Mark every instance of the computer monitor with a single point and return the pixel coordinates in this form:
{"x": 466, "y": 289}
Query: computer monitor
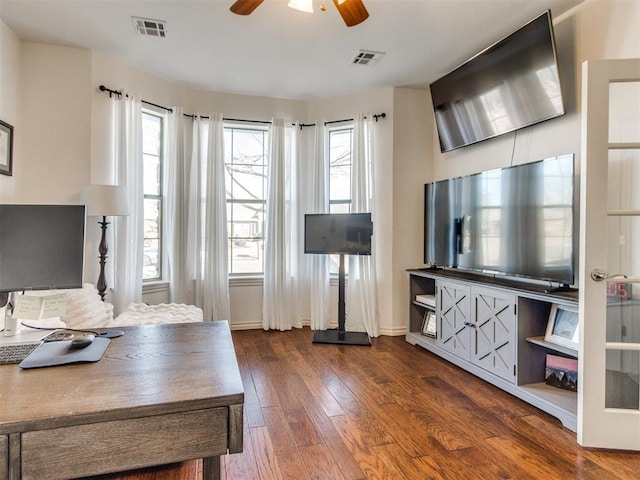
{"x": 41, "y": 247}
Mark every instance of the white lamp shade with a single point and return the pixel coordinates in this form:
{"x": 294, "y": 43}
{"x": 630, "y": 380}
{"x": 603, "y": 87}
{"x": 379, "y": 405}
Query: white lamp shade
{"x": 105, "y": 200}
{"x": 302, "y": 5}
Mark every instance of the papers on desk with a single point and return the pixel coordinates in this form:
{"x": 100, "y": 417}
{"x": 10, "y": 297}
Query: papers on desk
{"x": 32, "y": 307}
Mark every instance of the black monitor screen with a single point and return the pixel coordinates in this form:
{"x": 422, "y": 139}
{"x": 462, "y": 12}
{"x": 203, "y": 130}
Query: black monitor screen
{"x": 348, "y": 233}
{"x": 41, "y": 246}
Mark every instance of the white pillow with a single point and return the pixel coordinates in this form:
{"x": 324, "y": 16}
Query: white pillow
{"x": 85, "y": 309}
{"x": 143, "y": 314}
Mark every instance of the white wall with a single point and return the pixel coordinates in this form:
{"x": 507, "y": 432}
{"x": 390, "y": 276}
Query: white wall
{"x": 55, "y": 109}
{"x": 9, "y": 107}
{"x": 412, "y": 167}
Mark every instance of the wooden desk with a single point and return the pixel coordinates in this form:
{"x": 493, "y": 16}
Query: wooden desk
{"x": 160, "y": 394}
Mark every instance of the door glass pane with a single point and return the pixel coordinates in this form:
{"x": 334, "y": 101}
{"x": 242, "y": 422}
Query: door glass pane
{"x": 623, "y": 256}
{"x": 622, "y": 390}
{"x": 624, "y": 114}
{"x": 623, "y": 175}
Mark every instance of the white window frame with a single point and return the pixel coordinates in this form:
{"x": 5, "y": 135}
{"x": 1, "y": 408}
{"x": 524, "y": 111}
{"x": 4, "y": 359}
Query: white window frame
{"x": 248, "y": 277}
{"x": 334, "y": 259}
{"x": 160, "y": 196}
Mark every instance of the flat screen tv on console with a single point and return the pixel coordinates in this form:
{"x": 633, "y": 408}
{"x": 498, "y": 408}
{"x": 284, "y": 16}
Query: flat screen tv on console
{"x": 346, "y": 233}
{"x": 510, "y": 85}
{"x": 516, "y": 221}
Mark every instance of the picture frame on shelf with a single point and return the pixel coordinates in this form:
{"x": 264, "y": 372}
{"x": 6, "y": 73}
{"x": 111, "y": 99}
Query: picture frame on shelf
{"x": 6, "y": 148}
{"x": 563, "y": 327}
{"x": 561, "y": 372}
{"x": 429, "y": 324}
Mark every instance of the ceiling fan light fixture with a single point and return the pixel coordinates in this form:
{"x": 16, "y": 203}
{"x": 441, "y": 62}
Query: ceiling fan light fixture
{"x": 301, "y": 5}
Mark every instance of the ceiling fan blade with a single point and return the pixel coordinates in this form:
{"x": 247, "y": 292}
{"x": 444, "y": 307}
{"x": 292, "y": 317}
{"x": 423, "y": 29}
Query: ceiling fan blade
{"x": 245, "y": 7}
{"x": 353, "y": 12}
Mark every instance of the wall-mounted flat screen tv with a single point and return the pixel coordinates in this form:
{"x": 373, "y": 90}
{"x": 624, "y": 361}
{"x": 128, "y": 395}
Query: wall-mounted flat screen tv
{"x": 516, "y": 221}
{"x": 510, "y": 85}
{"x": 346, "y": 233}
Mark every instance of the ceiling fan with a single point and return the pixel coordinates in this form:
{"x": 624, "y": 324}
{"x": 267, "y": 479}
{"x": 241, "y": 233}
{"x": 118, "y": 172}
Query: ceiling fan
{"x": 353, "y": 12}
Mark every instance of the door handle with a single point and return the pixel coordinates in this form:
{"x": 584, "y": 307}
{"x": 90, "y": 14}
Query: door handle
{"x": 598, "y": 275}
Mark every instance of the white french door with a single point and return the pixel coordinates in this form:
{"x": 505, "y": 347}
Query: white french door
{"x": 609, "y": 370}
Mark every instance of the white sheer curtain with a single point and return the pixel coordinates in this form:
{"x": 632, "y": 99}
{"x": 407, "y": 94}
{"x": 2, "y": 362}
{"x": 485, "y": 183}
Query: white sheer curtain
{"x": 212, "y": 286}
{"x": 362, "y": 291}
{"x": 180, "y": 228}
{"x": 311, "y": 272}
{"x": 128, "y": 231}
{"x": 197, "y": 214}
{"x": 279, "y": 309}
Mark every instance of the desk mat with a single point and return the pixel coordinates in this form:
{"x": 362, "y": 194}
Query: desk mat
{"x": 50, "y": 354}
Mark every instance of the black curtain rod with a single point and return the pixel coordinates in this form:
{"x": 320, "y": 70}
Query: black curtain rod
{"x": 170, "y": 110}
{"x": 264, "y": 122}
{"x": 192, "y": 115}
{"x": 376, "y": 116}
{"x": 119, "y": 94}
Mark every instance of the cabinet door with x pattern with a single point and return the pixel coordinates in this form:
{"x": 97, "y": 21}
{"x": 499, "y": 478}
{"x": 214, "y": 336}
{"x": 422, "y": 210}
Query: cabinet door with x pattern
{"x": 493, "y": 340}
{"x": 454, "y": 316}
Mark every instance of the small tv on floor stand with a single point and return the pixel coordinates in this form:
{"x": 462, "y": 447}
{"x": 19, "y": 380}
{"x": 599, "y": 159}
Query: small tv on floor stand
{"x": 343, "y": 234}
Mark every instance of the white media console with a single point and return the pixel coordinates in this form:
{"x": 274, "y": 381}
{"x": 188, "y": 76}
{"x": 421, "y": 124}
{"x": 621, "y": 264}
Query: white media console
{"x": 494, "y": 328}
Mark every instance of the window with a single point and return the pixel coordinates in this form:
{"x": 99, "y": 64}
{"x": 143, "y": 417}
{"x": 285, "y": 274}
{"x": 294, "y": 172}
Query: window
{"x": 152, "y": 152}
{"x": 246, "y": 164}
{"x": 340, "y": 163}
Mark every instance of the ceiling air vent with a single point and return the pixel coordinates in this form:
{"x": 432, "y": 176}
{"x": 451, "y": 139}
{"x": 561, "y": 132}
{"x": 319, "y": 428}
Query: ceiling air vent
{"x": 150, "y": 27}
{"x": 367, "y": 57}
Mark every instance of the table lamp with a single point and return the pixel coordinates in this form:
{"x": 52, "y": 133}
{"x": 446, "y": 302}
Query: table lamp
{"x": 104, "y": 201}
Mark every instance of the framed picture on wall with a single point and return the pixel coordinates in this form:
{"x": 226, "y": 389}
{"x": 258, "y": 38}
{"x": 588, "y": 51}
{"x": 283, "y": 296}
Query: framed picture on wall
{"x": 6, "y": 148}
{"x": 563, "y": 326}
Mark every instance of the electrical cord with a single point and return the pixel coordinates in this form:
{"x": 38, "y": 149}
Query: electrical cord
{"x": 61, "y": 328}
{"x": 107, "y": 334}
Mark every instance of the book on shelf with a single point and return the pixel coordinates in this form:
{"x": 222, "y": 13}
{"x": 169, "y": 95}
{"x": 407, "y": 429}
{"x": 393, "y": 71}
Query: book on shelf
{"x": 428, "y": 300}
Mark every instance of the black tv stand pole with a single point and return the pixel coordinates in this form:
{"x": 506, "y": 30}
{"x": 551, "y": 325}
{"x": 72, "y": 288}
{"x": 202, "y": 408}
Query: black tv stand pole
{"x": 340, "y": 336}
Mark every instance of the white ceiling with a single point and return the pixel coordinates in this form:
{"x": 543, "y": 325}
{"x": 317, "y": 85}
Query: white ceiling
{"x": 277, "y": 51}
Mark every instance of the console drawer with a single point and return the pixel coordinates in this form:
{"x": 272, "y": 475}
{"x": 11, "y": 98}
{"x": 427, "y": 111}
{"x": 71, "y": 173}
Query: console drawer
{"x": 119, "y": 445}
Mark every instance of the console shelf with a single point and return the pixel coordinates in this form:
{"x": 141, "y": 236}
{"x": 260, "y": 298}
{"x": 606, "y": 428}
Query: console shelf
{"x": 519, "y": 309}
{"x": 552, "y": 346}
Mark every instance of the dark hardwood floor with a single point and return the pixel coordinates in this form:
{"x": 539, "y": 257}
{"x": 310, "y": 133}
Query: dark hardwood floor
{"x": 391, "y": 411}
